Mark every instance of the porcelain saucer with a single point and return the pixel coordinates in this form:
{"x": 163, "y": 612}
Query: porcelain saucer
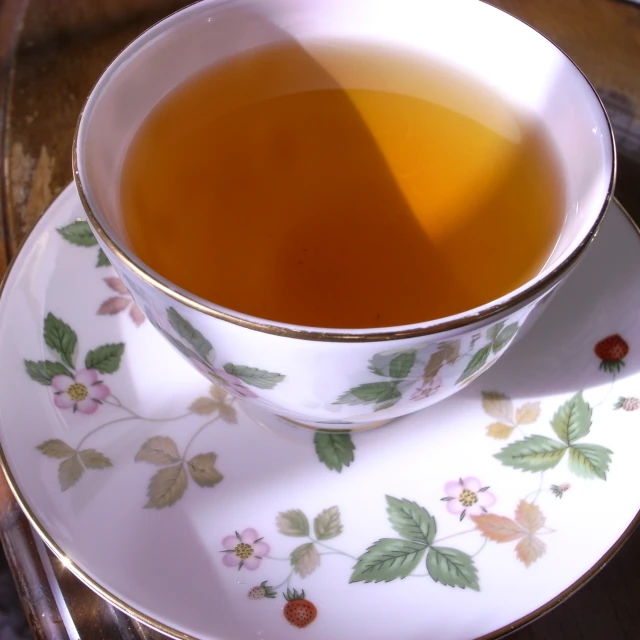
{"x": 463, "y": 521}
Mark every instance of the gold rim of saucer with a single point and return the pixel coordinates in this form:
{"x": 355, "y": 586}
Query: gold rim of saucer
{"x": 113, "y": 599}
{"x": 156, "y": 281}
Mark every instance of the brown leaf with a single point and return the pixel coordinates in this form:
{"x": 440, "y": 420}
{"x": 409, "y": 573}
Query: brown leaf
{"x": 218, "y": 393}
{"x": 529, "y": 517}
{"x": 451, "y": 351}
{"x": 227, "y": 412}
{"x": 499, "y": 431}
{"x": 93, "y": 459}
{"x": 498, "y": 528}
{"x": 203, "y": 406}
{"x": 159, "y": 450}
{"x": 528, "y": 413}
{"x": 434, "y": 364}
{"x": 116, "y": 285}
{"x": 113, "y": 306}
{"x": 135, "y": 313}
{"x": 69, "y": 472}
{"x": 529, "y": 549}
{"x": 498, "y": 406}
{"x": 166, "y": 487}
{"x": 305, "y": 559}
{"x": 55, "y": 449}
{"x": 203, "y": 470}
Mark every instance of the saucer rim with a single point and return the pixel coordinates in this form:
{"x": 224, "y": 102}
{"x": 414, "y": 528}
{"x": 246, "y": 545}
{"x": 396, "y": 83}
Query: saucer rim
{"x": 168, "y": 630}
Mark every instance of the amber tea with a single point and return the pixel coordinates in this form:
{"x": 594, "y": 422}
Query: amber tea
{"x": 340, "y": 185}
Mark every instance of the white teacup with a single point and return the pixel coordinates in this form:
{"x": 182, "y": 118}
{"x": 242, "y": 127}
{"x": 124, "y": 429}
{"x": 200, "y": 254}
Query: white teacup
{"x": 330, "y": 378}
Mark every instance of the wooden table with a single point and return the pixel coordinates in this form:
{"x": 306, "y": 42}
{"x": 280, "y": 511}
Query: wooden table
{"x": 51, "y": 52}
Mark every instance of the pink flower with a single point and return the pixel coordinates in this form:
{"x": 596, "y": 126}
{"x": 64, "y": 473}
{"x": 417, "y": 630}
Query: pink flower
{"x": 84, "y": 392}
{"x": 244, "y": 549}
{"x": 231, "y": 384}
{"x": 467, "y": 496}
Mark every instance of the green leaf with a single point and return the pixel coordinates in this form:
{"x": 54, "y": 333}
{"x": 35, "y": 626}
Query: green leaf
{"x": 572, "y": 420}
{"x": 293, "y": 523}
{"x": 388, "y": 559}
{"x": 255, "y": 377}
{"x": 534, "y": 453}
{"x": 452, "y": 568}
{"x": 492, "y": 332}
{"x": 103, "y": 261}
{"x": 411, "y": 521}
{"x": 60, "y": 337}
{"x": 401, "y": 365}
{"x": 78, "y": 233}
{"x": 186, "y": 331}
{"x": 477, "y": 362}
{"x": 327, "y": 525}
{"x": 305, "y": 559}
{"x": 55, "y": 448}
{"x": 105, "y": 359}
{"x": 397, "y": 364}
{"x": 335, "y": 450}
{"x": 504, "y": 337}
{"x": 589, "y": 460}
{"x": 93, "y": 459}
{"x": 166, "y": 487}
{"x": 69, "y": 472}
{"x": 386, "y": 405}
{"x": 44, "y": 371}
{"x": 370, "y": 392}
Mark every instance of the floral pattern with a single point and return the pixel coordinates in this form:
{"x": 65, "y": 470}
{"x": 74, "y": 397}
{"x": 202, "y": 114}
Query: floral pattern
{"x": 120, "y": 302}
{"x": 244, "y": 549}
{"x": 415, "y": 545}
{"x": 79, "y": 233}
{"x": 467, "y": 496}
{"x": 232, "y": 384}
{"x": 528, "y": 522}
{"x": 419, "y": 538}
{"x": 248, "y": 550}
{"x": 237, "y": 380}
{"x": 419, "y": 373}
{"x": 83, "y": 391}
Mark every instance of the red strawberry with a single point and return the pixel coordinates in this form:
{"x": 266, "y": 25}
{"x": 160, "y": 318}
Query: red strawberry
{"x": 627, "y": 404}
{"x": 261, "y": 591}
{"x": 611, "y": 350}
{"x": 299, "y": 611}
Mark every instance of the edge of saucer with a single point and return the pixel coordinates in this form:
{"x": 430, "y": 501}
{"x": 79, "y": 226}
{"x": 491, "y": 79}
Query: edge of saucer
{"x": 151, "y": 622}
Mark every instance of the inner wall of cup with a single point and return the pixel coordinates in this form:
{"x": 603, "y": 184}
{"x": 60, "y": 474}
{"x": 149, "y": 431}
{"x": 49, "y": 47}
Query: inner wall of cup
{"x": 503, "y": 53}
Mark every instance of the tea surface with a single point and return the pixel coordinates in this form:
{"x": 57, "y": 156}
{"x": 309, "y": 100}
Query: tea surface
{"x": 341, "y": 186}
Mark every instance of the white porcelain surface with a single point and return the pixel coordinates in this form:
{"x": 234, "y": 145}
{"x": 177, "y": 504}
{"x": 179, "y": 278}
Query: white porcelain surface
{"x": 144, "y": 485}
{"x": 328, "y": 382}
